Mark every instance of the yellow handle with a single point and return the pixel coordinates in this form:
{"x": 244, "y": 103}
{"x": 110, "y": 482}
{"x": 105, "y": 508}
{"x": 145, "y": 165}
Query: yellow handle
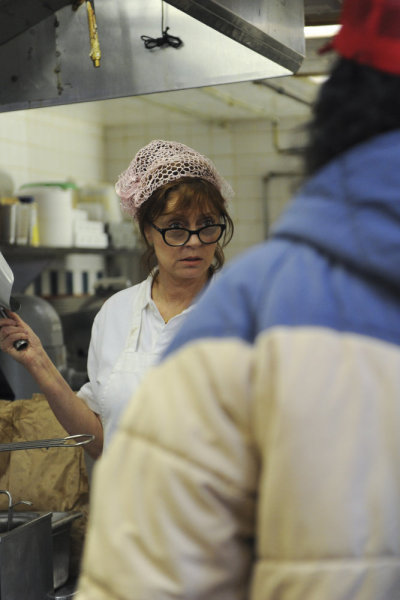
{"x": 95, "y": 53}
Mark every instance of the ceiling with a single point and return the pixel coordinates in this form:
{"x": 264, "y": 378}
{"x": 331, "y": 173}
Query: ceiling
{"x": 273, "y": 99}
{"x": 321, "y": 12}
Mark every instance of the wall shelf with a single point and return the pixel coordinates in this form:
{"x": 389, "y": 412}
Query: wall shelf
{"x": 28, "y": 262}
{"x": 34, "y": 252}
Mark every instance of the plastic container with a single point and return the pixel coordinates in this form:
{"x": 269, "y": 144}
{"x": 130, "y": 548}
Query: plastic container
{"x": 27, "y": 225}
{"x": 8, "y": 222}
{"x": 55, "y": 204}
{"x": 23, "y": 223}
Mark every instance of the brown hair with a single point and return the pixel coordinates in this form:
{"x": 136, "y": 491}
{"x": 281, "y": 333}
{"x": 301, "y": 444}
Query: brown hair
{"x": 191, "y": 193}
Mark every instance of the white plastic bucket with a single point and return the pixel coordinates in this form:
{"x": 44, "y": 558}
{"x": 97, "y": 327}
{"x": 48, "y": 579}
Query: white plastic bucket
{"x": 55, "y": 203}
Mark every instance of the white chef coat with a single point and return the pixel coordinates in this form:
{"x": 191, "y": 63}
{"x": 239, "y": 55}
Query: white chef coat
{"x": 128, "y": 336}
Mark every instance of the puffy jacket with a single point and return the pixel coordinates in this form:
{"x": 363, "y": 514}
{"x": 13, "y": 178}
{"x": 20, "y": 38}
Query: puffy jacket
{"x": 261, "y": 459}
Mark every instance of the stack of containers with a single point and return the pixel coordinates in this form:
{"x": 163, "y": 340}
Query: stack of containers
{"x": 101, "y": 203}
{"x": 62, "y": 225}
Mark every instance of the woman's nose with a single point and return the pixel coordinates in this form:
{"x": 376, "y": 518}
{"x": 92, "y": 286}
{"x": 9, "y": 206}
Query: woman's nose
{"x": 194, "y": 240}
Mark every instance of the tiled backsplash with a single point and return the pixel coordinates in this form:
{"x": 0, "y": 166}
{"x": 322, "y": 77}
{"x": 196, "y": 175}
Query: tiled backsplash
{"x": 51, "y": 144}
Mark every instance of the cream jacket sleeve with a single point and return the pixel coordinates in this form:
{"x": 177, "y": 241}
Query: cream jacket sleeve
{"x": 181, "y": 464}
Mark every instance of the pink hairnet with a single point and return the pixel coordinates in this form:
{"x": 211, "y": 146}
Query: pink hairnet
{"x": 161, "y": 162}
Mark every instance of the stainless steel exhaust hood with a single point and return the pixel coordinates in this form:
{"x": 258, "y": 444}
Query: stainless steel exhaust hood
{"x": 224, "y": 41}
{"x": 17, "y": 16}
{"x": 273, "y": 29}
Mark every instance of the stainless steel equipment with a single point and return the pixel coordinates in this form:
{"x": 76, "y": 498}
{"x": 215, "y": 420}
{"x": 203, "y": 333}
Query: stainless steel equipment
{"x": 71, "y": 441}
{"x": 6, "y": 300}
{"x": 46, "y": 567}
{"x": 44, "y": 320}
{"x": 224, "y": 41}
{"x": 26, "y": 559}
{"x": 61, "y": 523}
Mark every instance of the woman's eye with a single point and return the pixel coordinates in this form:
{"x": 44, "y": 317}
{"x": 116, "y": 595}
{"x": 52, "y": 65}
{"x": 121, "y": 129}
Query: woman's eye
{"x": 175, "y": 226}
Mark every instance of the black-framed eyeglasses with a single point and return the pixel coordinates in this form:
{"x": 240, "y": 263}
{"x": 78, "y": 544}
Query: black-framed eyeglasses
{"x": 179, "y": 236}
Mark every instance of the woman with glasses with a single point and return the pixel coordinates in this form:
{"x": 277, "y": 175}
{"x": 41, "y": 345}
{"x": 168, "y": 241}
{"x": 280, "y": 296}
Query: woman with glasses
{"x": 179, "y": 202}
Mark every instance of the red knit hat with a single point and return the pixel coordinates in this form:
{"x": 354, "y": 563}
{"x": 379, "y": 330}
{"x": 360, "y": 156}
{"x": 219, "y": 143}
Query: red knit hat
{"x": 370, "y": 34}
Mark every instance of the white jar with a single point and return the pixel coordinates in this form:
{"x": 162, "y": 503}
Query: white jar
{"x": 55, "y": 203}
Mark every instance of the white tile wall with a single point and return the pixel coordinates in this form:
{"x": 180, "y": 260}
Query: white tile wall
{"x": 50, "y": 144}
{"x": 62, "y": 143}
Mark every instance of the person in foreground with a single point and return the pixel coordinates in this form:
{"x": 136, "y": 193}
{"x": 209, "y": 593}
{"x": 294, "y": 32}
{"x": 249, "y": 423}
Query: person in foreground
{"x": 180, "y": 204}
{"x": 261, "y": 459}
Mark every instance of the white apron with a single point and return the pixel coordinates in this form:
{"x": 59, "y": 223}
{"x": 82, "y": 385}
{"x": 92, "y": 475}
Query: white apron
{"x": 126, "y": 374}
{"x": 133, "y": 363}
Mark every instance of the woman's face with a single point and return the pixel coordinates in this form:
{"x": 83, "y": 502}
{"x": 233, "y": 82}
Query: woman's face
{"x": 194, "y": 258}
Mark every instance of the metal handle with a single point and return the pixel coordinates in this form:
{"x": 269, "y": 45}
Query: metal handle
{"x": 68, "y": 442}
{"x": 19, "y": 344}
{"x": 95, "y": 53}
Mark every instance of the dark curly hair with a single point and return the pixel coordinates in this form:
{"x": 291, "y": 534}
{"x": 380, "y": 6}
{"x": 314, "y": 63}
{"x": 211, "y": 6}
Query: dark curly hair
{"x": 356, "y": 103}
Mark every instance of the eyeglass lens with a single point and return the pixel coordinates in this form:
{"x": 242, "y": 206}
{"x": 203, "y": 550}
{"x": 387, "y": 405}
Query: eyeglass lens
{"x": 207, "y": 235}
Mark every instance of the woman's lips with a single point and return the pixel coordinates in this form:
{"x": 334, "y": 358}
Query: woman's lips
{"x": 191, "y": 259}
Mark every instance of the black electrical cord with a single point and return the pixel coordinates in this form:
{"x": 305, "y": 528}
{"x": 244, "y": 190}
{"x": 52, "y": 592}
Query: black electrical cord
{"x": 165, "y": 39}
